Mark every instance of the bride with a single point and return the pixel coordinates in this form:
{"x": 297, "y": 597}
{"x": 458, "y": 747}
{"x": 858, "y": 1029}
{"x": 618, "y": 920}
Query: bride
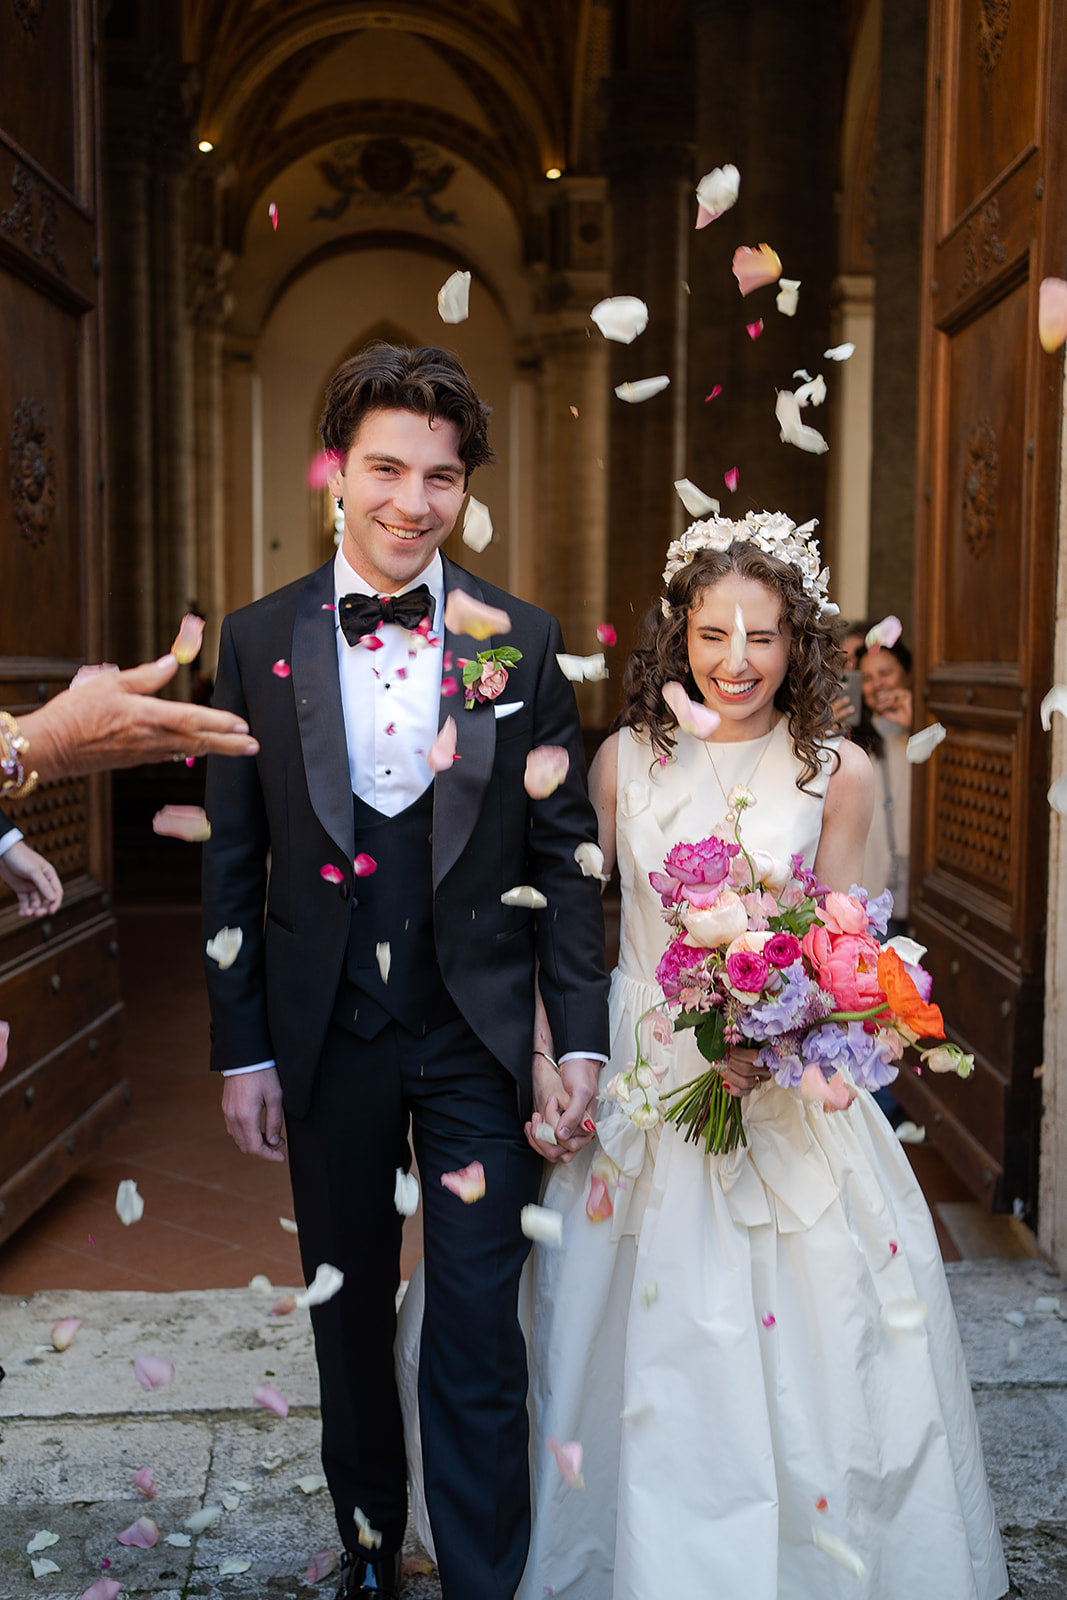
{"x": 751, "y": 1428}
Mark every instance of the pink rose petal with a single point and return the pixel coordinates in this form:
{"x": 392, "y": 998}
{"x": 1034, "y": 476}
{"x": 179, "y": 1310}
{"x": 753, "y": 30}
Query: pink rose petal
{"x": 569, "y": 1461}
{"x": 754, "y": 329}
{"x": 153, "y": 1372}
{"x": 331, "y": 873}
{"x": 64, "y": 1331}
{"x": 142, "y": 1479}
{"x": 442, "y": 752}
{"x": 546, "y": 768}
{"x": 468, "y": 1183}
{"x": 755, "y": 268}
{"x": 371, "y": 641}
{"x": 323, "y": 1562}
{"x": 401, "y": 672}
{"x": 698, "y": 720}
{"x": 281, "y": 669}
{"x": 606, "y": 634}
{"x": 272, "y": 212}
{"x": 319, "y": 468}
{"x": 142, "y": 1534}
{"x": 364, "y": 866}
{"x": 884, "y": 634}
{"x": 449, "y": 686}
{"x": 822, "y": 1504}
{"x": 283, "y": 1306}
{"x": 269, "y": 1398}
{"x": 598, "y": 1206}
{"x": 1052, "y": 313}
{"x": 88, "y": 671}
{"x": 190, "y": 637}
{"x": 835, "y": 1095}
{"x": 328, "y": 608}
{"x": 464, "y": 614}
{"x": 446, "y": 661}
{"x": 768, "y": 1319}
{"x": 391, "y": 729}
{"x": 102, "y": 1589}
{"x": 893, "y": 1247}
{"x": 730, "y": 478}
{"x": 715, "y": 393}
{"x": 182, "y": 822}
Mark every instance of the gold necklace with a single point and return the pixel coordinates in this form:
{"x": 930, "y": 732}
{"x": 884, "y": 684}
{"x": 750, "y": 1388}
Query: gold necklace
{"x": 731, "y": 815}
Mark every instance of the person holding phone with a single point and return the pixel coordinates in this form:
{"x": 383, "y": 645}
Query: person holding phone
{"x": 883, "y": 729}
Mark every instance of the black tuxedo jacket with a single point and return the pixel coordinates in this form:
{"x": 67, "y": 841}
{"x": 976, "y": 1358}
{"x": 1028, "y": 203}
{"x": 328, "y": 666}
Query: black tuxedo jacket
{"x": 278, "y": 818}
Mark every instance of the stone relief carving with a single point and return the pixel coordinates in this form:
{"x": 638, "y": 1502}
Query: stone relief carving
{"x": 29, "y": 13}
{"x": 386, "y": 171}
{"x": 983, "y": 248}
{"x": 980, "y": 487}
{"x": 37, "y": 223}
{"x": 33, "y": 476}
{"x": 993, "y": 17}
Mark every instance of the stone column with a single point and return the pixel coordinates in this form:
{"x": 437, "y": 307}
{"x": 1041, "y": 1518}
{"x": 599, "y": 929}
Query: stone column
{"x": 848, "y": 513}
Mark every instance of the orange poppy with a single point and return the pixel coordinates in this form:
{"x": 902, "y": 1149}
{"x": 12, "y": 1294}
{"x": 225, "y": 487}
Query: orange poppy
{"x": 905, "y": 1001}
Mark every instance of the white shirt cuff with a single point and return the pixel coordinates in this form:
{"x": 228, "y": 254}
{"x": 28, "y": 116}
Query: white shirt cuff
{"x": 12, "y": 836}
{"x": 236, "y": 1072}
{"x": 582, "y": 1055}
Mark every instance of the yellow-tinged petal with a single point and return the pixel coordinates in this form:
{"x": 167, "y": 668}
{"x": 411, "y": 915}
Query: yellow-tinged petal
{"x": 468, "y": 1183}
{"x": 840, "y": 352}
{"x": 621, "y": 318}
{"x": 641, "y": 389}
{"x": 1057, "y": 795}
{"x": 813, "y": 392}
{"x": 464, "y": 614}
{"x": 323, "y": 1562}
{"x": 477, "y": 525}
{"x": 142, "y": 1534}
{"x": 1052, "y": 313}
{"x": 754, "y": 268}
{"x": 64, "y": 1330}
{"x": 546, "y": 768}
{"x": 311, "y": 1483}
{"x": 144, "y": 1482}
{"x": 189, "y": 638}
{"x": 206, "y": 1517}
{"x": 598, "y": 1206}
{"x": 636, "y": 797}
{"x": 884, "y": 634}
{"x": 43, "y": 1566}
{"x": 453, "y": 298}
{"x": 545, "y": 1133}
{"x": 287, "y": 1224}
{"x": 232, "y": 1566}
{"x": 369, "y": 1537}
{"x": 44, "y": 1540}
{"x": 182, "y": 822}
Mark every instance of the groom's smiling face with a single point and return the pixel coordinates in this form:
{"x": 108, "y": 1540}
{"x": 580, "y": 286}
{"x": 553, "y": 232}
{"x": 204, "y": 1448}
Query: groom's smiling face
{"x": 403, "y": 484}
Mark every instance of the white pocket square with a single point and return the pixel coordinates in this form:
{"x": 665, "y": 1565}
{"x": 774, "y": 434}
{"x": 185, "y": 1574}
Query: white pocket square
{"x": 506, "y": 708}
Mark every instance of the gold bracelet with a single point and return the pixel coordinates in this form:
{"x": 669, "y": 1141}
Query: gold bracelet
{"x": 15, "y": 782}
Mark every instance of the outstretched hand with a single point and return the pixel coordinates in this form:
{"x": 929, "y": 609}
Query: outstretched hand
{"x": 252, "y": 1106}
{"x": 34, "y": 880}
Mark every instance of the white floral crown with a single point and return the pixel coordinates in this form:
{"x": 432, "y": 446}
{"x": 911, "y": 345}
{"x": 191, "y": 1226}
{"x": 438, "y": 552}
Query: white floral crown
{"x": 772, "y": 532}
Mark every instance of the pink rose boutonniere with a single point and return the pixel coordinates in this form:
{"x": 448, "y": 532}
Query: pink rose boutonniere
{"x": 485, "y": 678}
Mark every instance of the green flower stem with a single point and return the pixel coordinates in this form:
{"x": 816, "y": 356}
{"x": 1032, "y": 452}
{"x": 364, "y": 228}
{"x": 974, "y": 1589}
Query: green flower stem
{"x": 855, "y": 1016}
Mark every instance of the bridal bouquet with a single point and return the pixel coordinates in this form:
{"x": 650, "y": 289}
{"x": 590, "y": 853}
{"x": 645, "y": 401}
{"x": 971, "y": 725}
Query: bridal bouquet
{"x": 765, "y": 957}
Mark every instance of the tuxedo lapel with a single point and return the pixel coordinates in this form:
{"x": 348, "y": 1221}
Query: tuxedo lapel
{"x": 319, "y": 712}
{"x": 458, "y": 793}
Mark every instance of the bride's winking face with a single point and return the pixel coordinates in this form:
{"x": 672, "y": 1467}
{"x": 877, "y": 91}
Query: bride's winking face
{"x": 740, "y": 688}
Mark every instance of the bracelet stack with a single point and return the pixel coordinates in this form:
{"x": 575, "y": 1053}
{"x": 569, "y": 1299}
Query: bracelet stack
{"x": 15, "y": 782}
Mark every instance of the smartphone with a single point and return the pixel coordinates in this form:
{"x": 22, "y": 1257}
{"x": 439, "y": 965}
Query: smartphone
{"x": 852, "y": 687}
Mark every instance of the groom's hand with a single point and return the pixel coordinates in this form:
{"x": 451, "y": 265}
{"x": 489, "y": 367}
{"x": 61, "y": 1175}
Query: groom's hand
{"x": 252, "y": 1106}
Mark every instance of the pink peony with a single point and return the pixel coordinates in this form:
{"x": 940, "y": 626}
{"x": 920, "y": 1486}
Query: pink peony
{"x": 846, "y": 965}
{"x": 677, "y": 963}
{"x": 706, "y": 863}
{"x": 843, "y": 914}
{"x": 747, "y": 971}
{"x": 782, "y": 949}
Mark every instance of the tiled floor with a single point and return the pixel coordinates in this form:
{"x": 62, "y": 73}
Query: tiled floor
{"x": 211, "y": 1214}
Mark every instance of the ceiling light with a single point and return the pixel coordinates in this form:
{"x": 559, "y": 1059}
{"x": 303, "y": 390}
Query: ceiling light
{"x": 205, "y": 145}
{"x": 554, "y": 172}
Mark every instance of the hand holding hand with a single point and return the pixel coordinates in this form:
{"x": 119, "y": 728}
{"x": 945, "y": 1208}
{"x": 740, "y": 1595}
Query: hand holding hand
{"x": 252, "y": 1106}
{"x": 564, "y": 1098}
{"x": 34, "y": 880}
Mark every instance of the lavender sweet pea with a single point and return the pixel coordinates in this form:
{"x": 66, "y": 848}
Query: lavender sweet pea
{"x": 866, "y": 1054}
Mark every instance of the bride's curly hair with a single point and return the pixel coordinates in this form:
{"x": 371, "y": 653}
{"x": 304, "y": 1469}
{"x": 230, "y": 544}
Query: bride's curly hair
{"x": 661, "y": 656}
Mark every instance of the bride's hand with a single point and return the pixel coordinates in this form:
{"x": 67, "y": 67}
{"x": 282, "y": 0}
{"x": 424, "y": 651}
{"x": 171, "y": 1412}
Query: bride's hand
{"x": 740, "y": 1072}
{"x": 553, "y": 1095}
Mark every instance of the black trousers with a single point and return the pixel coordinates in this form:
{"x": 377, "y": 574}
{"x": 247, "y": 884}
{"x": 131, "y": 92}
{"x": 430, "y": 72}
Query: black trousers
{"x": 461, "y": 1106}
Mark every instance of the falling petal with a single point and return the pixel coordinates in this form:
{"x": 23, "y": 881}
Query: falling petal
{"x": 1052, "y": 313}
{"x": 272, "y": 212}
{"x": 738, "y": 641}
{"x": 904, "y": 1316}
{"x": 468, "y": 1183}
{"x": 606, "y": 634}
{"x": 1057, "y": 795}
{"x": 812, "y": 393}
{"x": 793, "y": 431}
{"x": 598, "y": 1206}
{"x": 822, "y": 1504}
{"x": 464, "y": 614}
{"x": 43, "y": 1567}
{"x": 142, "y": 1479}
{"x": 369, "y": 1537}
{"x": 232, "y": 1566}
{"x": 153, "y": 1372}
{"x": 769, "y": 1319}
{"x": 753, "y": 268}
{"x": 319, "y": 469}
{"x": 182, "y": 822}
{"x": 574, "y": 412}
{"x": 590, "y": 859}
{"x": 106, "y": 1588}
{"x": 590, "y": 669}
{"x": 283, "y": 1306}
{"x": 65, "y": 1329}
{"x": 225, "y": 947}
{"x": 371, "y": 641}
{"x": 884, "y": 634}
{"x": 908, "y": 1133}
{"x": 717, "y": 191}
{"x": 477, "y": 525}
{"x": 524, "y": 894}
{"x": 921, "y": 745}
{"x": 449, "y": 686}
{"x": 621, "y": 318}
{"x": 383, "y": 954}
{"x": 269, "y": 1398}
{"x": 442, "y": 752}
{"x": 544, "y": 1133}
{"x": 650, "y": 1294}
{"x": 695, "y": 501}
{"x": 787, "y": 296}
{"x": 323, "y": 1562}
{"x": 641, "y": 389}
{"x": 840, "y": 352}
{"x": 569, "y": 1461}
{"x": 698, "y": 720}
{"x": 88, "y": 671}
{"x": 323, "y": 1286}
{"x": 840, "y": 1552}
{"x": 364, "y": 865}
{"x": 731, "y": 478}
{"x": 1055, "y": 700}
{"x": 635, "y": 797}
{"x": 802, "y": 372}
{"x": 129, "y": 1203}
{"x": 546, "y": 768}
{"x": 42, "y": 1541}
{"x": 406, "y": 1193}
{"x": 453, "y": 298}
{"x": 287, "y": 1224}
{"x": 715, "y": 393}
{"x": 542, "y": 1225}
{"x": 391, "y": 729}
{"x": 142, "y": 1534}
{"x": 281, "y": 669}
{"x": 190, "y": 637}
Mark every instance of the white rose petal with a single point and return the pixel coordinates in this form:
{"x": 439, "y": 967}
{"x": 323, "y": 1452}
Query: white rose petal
{"x": 590, "y": 859}
{"x": 310, "y": 1484}
{"x": 542, "y": 1225}
{"x": 261, "y": 1284}
{"x": 579, "y": 669}
{"x": 383, "y": 954}
{"x": 787, "y": 296}
{"x": 641, "y": 389}
{"x": 225, "y": 947}
{"x": 695, "y": 501}
{"x": 908, "y": 950}
{"x": 738, "y": 641}
{"x": 621, "y": 318}
{"x": 717, "y": 192}
{"x": 477, "y": 525}
{"x": 545, "y": 1134}
{"x": 524, "y": 894}
{"x": 1047, "y": 1304}
{"x": 42, "y": 1541}
{"x": 231, "y": 1502}
{"x": 323, "y": 1286}
{"x": 793, "y": 430}
{"x": 1055, "y": 700}
{"x": 909, "y": 1133}
{"x": 180, "y": 1541}
{"x": 840, "y": 352}
{"x": 43, "y": 1567}
{"x": 205, "y": 1518}
{"x": 453, "y": 298}
{"x": 904, "y": 1316}
{"x": 812, "y": 393}
{"x": 232, "y": 1566}
{"x": 369, "y": 1537}
{"x": 921, "y": 745}
{"x": 287, "y": 1224}
{"x": 1057, "y": 795}
{"x": 840, "y": 1552}
{"x": 129, "y": 1204}
{"x": 406, "y": 1193}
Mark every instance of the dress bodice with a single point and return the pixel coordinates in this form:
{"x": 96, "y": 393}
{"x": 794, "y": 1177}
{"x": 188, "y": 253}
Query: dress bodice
{"x": 658, "y": 806}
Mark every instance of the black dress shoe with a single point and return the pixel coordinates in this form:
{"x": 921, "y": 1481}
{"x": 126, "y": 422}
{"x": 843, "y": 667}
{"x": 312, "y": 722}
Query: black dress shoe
{"x": 361, "y": 1577}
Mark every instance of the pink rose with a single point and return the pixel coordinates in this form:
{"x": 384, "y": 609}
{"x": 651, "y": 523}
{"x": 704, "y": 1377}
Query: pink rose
{"x": 846, "y": 965}
{"x": 782, "y": 949}
{"x": 842, "y": 914}
{"x": 718, "y": 924}
{"x": 747, "y": 971}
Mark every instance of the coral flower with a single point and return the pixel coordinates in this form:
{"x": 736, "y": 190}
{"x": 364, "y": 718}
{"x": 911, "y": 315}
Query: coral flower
{"x": 905, "y": 1000}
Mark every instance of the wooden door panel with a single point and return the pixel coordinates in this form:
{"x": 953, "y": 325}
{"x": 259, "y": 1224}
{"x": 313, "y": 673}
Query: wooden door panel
{"x": 37, "y": 87}
{"x": 997, "y": 118}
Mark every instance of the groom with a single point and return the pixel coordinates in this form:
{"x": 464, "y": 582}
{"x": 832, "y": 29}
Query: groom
{"x": 381, "y": 980}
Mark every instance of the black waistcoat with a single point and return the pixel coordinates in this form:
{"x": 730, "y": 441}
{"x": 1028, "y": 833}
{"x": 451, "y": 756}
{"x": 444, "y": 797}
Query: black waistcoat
{"x": 393, "y": 906}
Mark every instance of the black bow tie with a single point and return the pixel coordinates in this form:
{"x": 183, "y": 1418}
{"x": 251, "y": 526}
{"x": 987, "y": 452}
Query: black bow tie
{"x": 360, "y": 614}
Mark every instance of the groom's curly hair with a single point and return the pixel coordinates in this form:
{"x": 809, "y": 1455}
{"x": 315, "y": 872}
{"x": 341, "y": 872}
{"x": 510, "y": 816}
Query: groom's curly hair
{"x": 805, "y": 694}
{"x": 395, "y": 377}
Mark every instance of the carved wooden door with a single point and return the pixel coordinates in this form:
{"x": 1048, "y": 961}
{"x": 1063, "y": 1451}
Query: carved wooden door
{"x": 994, "y": 224}
{"x": 58, "y": 977}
